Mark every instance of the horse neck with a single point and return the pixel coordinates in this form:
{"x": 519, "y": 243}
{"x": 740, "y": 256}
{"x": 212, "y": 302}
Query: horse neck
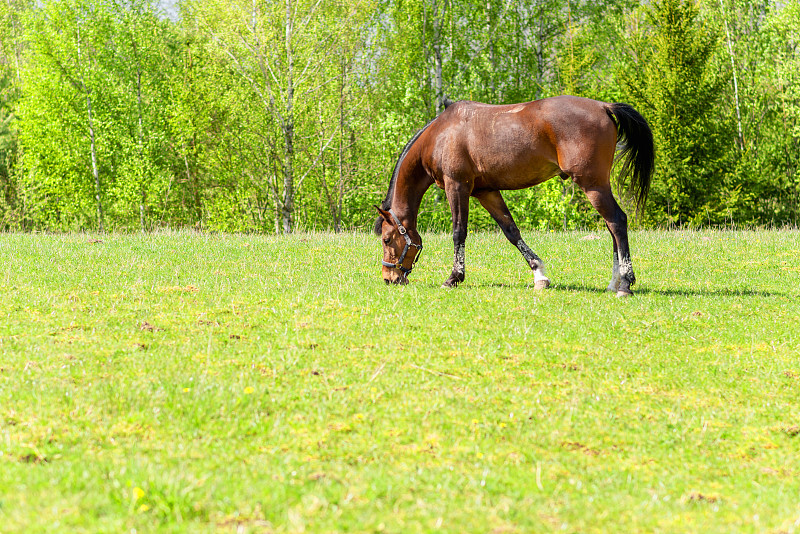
{"x": 412, "y": 182}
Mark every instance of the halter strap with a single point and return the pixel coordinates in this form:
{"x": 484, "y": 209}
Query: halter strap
{"x": 409, "y": 243}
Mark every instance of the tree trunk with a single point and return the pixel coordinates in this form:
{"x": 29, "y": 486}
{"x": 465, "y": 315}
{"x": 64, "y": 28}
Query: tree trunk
{"x": 16, "y": 43}
{"x": 740, "y": 140}
{"x": 143, "y": 201}
{"x": 539, "y": 55}
{"x": 287, "y": 208}
{"x": 336, "y": 212}
{"x": 438, "y": 21}
{"x": 95, "y": 171}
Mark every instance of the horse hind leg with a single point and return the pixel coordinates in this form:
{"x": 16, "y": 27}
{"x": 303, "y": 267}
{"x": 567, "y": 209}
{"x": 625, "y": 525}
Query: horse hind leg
{"x": 613, "y": 285}
{"x": 622, "y": 276}
{"x": 493, "y": 202}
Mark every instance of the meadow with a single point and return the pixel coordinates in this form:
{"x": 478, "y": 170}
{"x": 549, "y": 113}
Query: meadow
{"x": 182, "y": 382}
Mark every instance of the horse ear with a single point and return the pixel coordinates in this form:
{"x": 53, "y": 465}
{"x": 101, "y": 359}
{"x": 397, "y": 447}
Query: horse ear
{"x": 384, "y": 216}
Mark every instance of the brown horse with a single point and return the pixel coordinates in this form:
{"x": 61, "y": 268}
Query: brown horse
{"x": 478, "y": 150}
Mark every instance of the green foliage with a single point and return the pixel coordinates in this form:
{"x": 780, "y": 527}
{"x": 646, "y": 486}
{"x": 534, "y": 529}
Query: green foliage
{"x": 288, "y": 104}
{"x": 10, "y": 82}
{"x": 95, "y": 71}
{"x": 8, "y": 157}
{"x": 222, "y": 119}
{"x": 676, "y": 80}
{"x": 777, "y": 160}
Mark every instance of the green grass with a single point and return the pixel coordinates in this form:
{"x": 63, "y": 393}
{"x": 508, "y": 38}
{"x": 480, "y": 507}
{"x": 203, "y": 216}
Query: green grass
{"x": 192, "y": 383}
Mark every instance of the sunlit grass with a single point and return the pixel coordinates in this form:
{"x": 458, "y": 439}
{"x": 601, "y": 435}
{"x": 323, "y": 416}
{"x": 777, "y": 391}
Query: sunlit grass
{"x": 184, "y": 382}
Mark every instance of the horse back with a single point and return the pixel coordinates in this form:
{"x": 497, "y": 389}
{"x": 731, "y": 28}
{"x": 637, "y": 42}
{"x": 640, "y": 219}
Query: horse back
{"x": 518, "y": 145}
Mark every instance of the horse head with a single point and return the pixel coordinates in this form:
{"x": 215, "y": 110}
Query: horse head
{"x": 400, "y": 253}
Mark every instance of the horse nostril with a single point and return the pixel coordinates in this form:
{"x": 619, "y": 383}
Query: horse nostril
{"x": 386, "y": 281}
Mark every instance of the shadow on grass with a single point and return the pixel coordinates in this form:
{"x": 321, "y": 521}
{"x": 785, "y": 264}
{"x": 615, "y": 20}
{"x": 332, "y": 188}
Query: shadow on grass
{"x": 677, "y": 292}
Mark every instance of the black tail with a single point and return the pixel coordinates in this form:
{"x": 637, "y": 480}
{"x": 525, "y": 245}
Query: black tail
{"x": 637, "y": 153}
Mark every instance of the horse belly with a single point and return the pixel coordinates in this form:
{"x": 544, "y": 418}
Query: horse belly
{"x": 514, "y": 165}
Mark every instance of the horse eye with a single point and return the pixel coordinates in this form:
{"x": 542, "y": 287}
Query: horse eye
{"x": 386, "y": 240}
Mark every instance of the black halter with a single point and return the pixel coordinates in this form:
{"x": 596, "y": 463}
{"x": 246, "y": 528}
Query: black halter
{"x": 409, "y": 243}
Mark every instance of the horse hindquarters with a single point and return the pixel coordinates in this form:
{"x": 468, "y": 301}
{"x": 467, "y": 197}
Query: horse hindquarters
{"x": 586, "y": 155}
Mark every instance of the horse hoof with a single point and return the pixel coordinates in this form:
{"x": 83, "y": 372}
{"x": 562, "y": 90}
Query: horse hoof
{"x": 450, "y": 284}
{"x": 624, "y": 294}
{"x": 541, "y": 284}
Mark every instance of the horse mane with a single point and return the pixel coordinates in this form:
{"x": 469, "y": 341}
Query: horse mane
{"x": 387, "y": 202}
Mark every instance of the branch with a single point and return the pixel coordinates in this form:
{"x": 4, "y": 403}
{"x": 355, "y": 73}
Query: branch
{"x": 268, "y": 105}
{"x": 314, "y": 164}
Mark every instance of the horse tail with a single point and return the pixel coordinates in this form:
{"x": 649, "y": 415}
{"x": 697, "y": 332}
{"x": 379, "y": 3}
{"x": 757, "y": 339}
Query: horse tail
{"x": 637, "y": 152}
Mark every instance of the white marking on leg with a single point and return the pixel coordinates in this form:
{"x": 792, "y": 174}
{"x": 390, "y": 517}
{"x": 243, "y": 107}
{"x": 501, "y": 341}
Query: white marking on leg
{"x": 625, "y": 268}
{"x": 540, "y": 280}
{"x": 626, "y": 273}
{"x": 538, "y": 275}
{"x": 615, "y": 276}
{"x": 460, "y": 261}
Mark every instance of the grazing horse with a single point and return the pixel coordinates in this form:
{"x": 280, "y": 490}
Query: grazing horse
{"x": 474, "y": 149}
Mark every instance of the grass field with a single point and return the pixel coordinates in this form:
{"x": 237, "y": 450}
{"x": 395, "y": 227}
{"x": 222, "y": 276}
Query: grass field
{"x": 194, "y": 383}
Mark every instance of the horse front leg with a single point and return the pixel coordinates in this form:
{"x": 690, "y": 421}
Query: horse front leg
{"x": 496, "y": 206}
{"x": 458, "y": 197}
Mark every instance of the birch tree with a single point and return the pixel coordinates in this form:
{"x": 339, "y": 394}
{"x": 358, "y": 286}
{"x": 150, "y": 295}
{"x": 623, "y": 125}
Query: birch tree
{"x": 67, "y": 41}
{"x": 142, "y": 61}
{"x": 11, "y": 48}
{"x": 279, "y": 51}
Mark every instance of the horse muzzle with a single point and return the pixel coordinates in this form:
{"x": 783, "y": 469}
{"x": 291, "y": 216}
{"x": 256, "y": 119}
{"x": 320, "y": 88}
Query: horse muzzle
{"x": 395, "y": 274}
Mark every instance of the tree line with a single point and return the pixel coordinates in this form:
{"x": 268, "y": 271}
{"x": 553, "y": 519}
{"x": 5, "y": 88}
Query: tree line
{"x": 277, "y": 115}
